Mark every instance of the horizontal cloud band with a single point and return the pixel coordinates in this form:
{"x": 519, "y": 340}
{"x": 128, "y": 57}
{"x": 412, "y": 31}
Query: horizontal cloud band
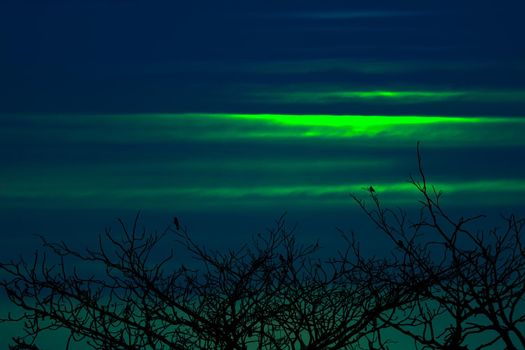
{"x": 461, "y": 193}
{"x": 361, "y": 130}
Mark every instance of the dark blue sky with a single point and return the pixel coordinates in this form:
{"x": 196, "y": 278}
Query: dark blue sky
{"x": 229, "y": 113}
{"x": 174, "y": 56}
{"x": 93, "y": 96}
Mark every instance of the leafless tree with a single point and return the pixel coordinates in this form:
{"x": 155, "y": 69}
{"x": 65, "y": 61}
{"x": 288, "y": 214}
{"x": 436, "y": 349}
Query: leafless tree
{"x": 471, "y": 281}
{"x": 270, "y": 294}
{"x": 444, "y": 285}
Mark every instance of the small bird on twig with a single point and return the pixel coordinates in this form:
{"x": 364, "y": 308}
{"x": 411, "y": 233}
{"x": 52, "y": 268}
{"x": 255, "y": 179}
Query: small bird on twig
{"x": 371, "y": 189}
{"x": 176, "y": 223}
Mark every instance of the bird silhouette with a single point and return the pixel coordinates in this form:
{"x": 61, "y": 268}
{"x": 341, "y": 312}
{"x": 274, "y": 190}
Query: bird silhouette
{"x": 127, "y": 311}
{"x": 176, "y": 223}
{"x": 371, "y": 189}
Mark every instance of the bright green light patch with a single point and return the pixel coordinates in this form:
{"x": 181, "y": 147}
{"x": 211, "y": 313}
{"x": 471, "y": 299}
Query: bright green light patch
{"x": 386, "y": 131}
{"x": 351, "y": 126}
{"x": 355, "y": 121}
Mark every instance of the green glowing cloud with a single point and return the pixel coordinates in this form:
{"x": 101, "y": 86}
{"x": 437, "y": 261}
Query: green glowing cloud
{"x": 387, "y": 96}
{"x": 384, "y": 129}
{"x": 272, "y": 195}
{"x": 361, "y": 130}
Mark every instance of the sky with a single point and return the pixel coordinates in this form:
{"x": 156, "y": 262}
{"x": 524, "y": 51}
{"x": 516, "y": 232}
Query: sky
{"x": 228, "y": 114}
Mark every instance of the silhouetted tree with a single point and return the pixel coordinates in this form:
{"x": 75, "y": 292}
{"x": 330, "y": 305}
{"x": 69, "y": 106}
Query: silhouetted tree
{"x": 271, "y": 294}
{"x": 21, "y": 345}
{"x": 444, "y": 285}
{"x": 471, "y": 282}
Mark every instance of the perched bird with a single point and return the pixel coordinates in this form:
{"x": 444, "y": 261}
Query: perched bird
{"x": 371, "y": 189}
{"x": 176, "y": 223}
{"x": 127, "y": 311}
